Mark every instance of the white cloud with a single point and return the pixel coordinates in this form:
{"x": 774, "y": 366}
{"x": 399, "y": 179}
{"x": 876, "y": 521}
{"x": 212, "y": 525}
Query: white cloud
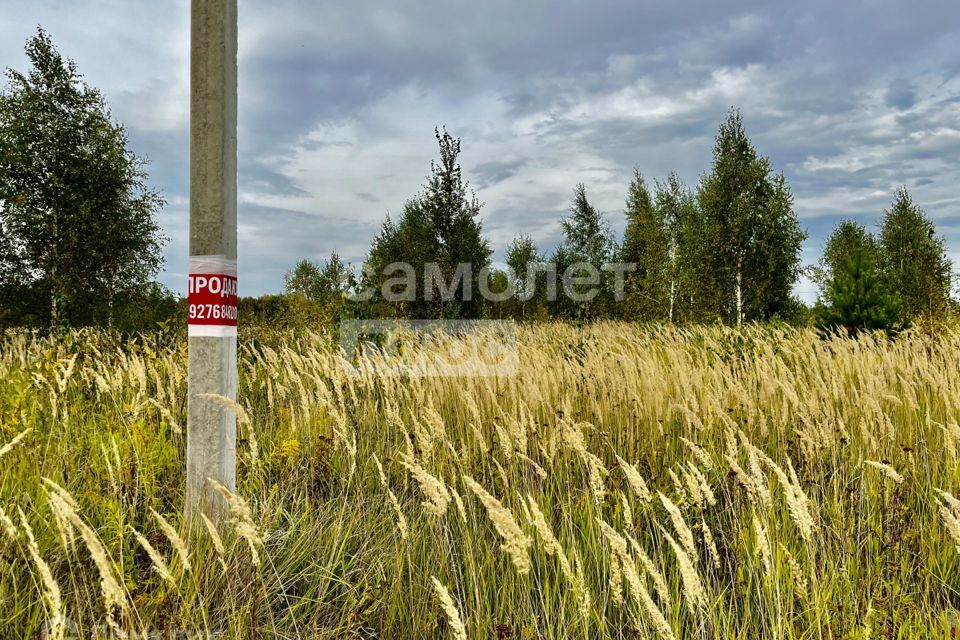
{"x": 339, "y": 100}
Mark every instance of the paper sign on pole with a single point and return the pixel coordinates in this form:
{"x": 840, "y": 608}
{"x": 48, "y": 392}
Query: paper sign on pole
{"x": 212, "y": 297}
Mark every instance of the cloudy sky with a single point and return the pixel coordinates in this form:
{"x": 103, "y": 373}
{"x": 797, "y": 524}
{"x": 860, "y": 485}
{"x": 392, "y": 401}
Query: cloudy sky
{"x": 338, "y": 101}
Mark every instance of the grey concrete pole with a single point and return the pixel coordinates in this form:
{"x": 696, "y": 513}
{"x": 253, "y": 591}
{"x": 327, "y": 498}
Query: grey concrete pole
{"x": 212, "y": 367}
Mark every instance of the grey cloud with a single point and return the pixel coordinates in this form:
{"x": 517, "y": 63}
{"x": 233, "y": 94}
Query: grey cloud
{"x": 849, "y": 100}
{"x": 900, "y": 95}
{"x": 487, "y": 174}
{"x": 261, "y": 179}
{"x": 272, "y": 239}
{"x": 505, "y": 224}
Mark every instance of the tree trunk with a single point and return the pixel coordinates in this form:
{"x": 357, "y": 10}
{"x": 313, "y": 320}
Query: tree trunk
{"x": 739, "y": 293}
{"x": 54, "y": 281}
{"x": 673, "y": 294}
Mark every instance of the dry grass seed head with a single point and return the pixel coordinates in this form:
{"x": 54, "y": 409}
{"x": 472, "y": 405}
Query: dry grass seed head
{"x": 51, "y": 589}
{"x": 215, "y": 538}
{"x": 242, "y": 519}
{"x": 888, "y": 471}
{"x": 159, "y": 564}
{"x": 7, "y": 525}
{"x": 179, "y": 546}
{"x": 433, "y": 488}
{"x": 17, "y": 439}
{"x": 693, "y": 588}
{"x": 457, "y": 628}
{"x": 622, "y": 569}
{"x": 660, "y": 584}
{"x": 635, "y": 480}
{"x": 113, "y": 593}
{"x": 680, "y": 525}
{"x": 515, "y": 542}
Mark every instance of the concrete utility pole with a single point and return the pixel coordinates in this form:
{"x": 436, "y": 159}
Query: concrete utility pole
{"x": 212, "y": 428}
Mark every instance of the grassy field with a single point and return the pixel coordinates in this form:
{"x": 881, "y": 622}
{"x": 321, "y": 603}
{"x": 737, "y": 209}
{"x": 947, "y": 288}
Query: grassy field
{"x": 627, "y": 483}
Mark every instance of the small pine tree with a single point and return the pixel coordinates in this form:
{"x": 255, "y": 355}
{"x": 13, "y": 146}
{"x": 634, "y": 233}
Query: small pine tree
{"x": 586, "y": 233}
{"x": 846, "y": 239}
{"x": 647, "y": 244}
{"x": 856, "y": 297}
{"x": 587, "y": 239}
{"x": 440, "y": 225}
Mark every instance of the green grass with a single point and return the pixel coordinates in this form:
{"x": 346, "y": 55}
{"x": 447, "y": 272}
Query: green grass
{"x": 106, "y": 420}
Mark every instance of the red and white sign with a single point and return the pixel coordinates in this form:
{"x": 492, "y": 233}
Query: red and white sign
{"x": 212, "y": 297}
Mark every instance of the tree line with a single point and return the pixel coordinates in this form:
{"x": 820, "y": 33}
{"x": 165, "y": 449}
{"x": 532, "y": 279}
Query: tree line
{"x": 885, "y": 280}
{"x": 727, "y": 250}
{"x": 80, "y": 245}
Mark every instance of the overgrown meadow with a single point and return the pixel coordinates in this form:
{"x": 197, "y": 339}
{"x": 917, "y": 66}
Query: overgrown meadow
{"x": 628, "y": 482}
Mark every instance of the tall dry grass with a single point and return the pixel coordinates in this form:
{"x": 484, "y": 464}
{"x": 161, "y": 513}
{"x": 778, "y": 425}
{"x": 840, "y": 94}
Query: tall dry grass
{"x": 627, "y": 482}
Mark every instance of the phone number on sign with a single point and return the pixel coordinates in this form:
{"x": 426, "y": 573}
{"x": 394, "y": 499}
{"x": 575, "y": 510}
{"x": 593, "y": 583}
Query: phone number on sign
{"x": 213, "y": 312}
